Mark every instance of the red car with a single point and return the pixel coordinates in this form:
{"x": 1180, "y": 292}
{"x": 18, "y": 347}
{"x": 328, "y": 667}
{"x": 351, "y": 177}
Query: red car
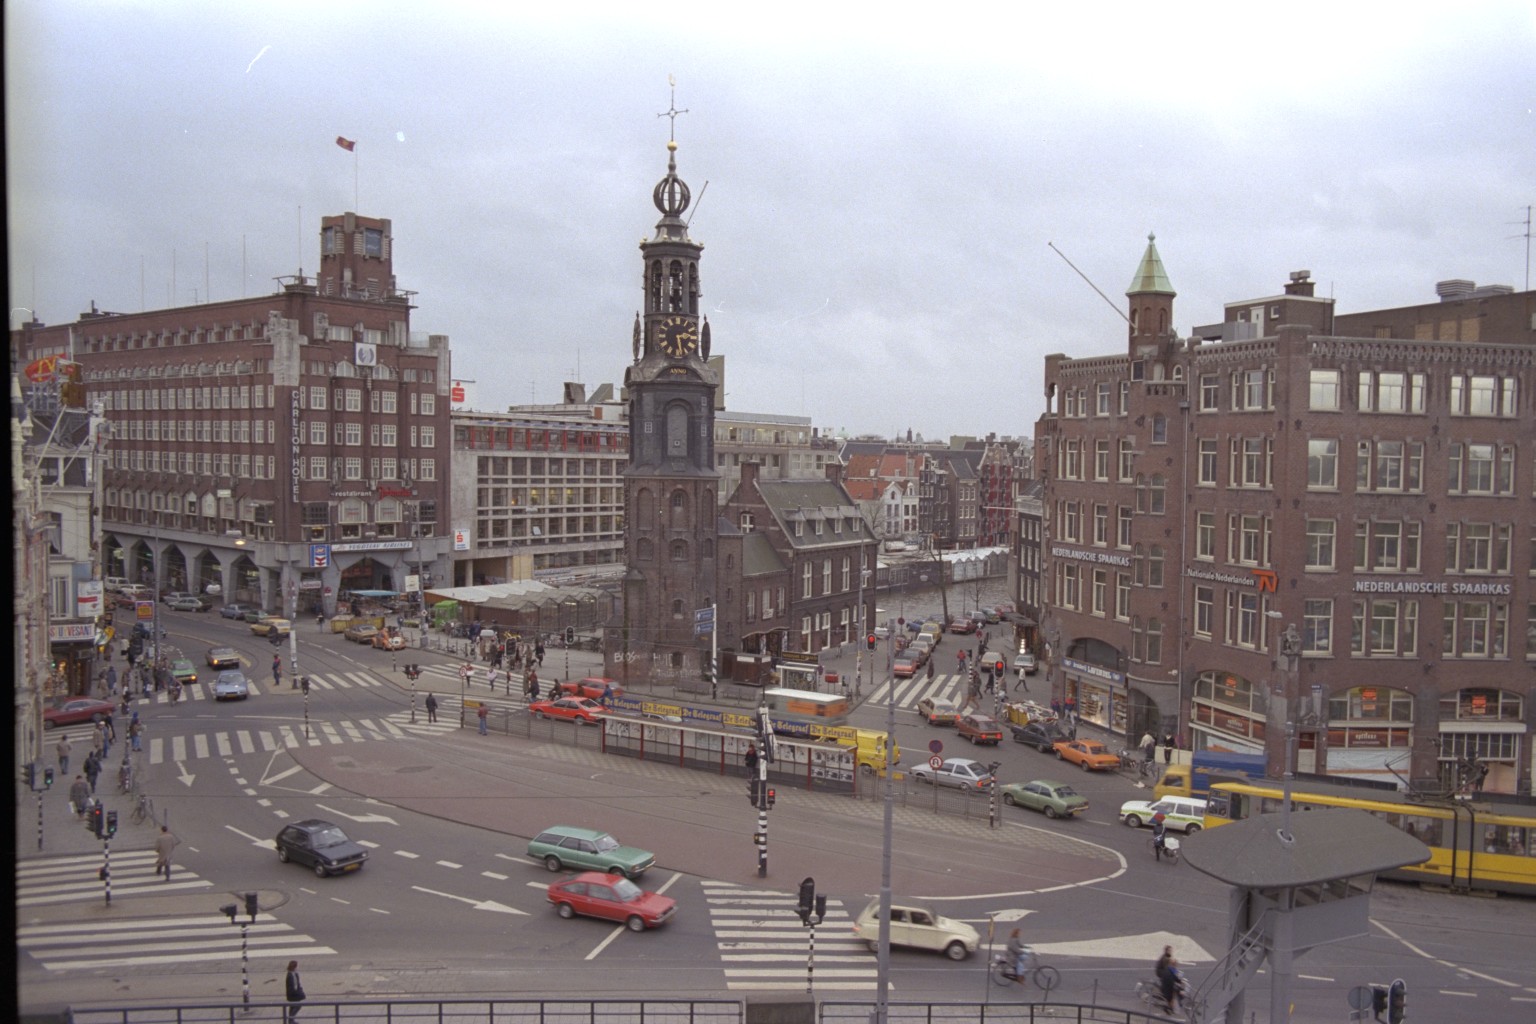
{"x": 592, "y": 687}
{"x": 572, "y": 709}
{"x": 980, "y": 729}
{"x": 612, "y": 898}
{"x": 77, "y": 709}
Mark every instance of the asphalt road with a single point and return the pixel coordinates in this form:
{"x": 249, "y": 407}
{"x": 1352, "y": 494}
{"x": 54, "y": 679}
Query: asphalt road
{"x": 449, "y": 904}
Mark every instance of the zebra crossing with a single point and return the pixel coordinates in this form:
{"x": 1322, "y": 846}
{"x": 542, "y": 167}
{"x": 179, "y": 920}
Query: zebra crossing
{"x": 134, "y": 941}
{"x": 763, "y": 944}
{"x": 949, "y": 687}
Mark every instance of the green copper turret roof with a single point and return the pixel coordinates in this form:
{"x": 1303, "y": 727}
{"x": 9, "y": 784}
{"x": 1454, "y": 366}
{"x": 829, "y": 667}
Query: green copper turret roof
{"x": 1151, "y": 278}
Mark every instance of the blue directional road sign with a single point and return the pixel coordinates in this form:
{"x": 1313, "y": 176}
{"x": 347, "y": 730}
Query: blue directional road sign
{"x": 703, "y": 621}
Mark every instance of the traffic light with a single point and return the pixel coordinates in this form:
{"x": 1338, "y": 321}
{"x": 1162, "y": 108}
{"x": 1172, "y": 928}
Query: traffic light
{"x": 97, "y": 821}
{"x": 250, "y": 905}
{"x": 870, "y": 641}
{"x": 31, "y": 775}
{"x": 998, "y": 668}
{"x": 570, "y": 635}
{"x": 771, "y": 797}
{"x": 807, "y": 904}
{"x": 707, "y": 669}
{"x": 229, "y": 910}
{"x": 1397, "y": 1002}
{"x": 752, "y": 789}
{"x": 304, "y": 684}
{"x": 47, "y": 778}
{"x": 111, "y": 824}
{"x": 1378, "y": 1000}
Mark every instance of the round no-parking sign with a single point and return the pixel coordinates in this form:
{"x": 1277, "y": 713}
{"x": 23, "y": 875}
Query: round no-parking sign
{"x": 935, "y": 762}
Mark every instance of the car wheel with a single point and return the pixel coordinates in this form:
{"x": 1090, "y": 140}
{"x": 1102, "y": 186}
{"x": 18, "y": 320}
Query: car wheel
{"x": 1133, "y": 820}
{"x": 319, "y": 870}
{"x": 1008, "y": 799}
{"x": 873, "y": 944}
{"x": 543, "y": 716}
{"x": 956, "y": 950}
{"x": 565, "y": 910}
{"x": 282, "y": 855}
{"x": 636, "y": 923}
{"x": 49, "y": 723}
{"x": 1059, "y": 757}
{"x": 1050, "y": 812}
{"x": 1191, "y": 829}
{"x": 867, "y": 768}
{"x": 1044, "y": 748}
{"x": 614, "y": 869}
{"x": 1085, "y": 766}
{"x": 97, "y": 719}
{"x": 552, "y": 862}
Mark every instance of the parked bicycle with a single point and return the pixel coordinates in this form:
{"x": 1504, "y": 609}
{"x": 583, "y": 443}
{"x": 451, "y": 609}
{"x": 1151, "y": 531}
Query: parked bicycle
{"x": 144, "y": 809}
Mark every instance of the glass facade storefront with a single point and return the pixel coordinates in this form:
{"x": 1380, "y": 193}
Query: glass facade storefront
{"x": 1480, "y": 729}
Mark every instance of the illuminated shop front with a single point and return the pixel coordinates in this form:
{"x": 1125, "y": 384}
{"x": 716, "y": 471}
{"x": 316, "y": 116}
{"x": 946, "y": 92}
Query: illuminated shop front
{"x": 1228, "y": 714}
{"x": 1486, "y": 725}
{"x": 1370, "y": 733}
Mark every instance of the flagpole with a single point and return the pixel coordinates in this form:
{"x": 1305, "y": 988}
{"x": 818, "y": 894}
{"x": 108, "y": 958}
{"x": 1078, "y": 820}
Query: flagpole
{"x": 354, "y": 181}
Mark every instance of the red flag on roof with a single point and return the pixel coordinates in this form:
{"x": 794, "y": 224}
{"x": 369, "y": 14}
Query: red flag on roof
{"x": 345, "y": 143}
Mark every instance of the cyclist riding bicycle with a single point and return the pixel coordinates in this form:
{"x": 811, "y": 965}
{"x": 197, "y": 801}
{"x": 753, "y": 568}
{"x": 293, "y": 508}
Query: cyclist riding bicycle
{"x": 1018, "y": 953}
{"x": 1159, "y": 834}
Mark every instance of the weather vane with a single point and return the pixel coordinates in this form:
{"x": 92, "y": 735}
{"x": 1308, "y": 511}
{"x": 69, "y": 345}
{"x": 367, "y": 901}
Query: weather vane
{"x": 673, "y": 112}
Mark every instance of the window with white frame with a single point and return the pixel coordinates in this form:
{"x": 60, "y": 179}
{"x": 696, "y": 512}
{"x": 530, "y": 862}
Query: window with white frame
{"x": 1322, "y": 542}
{"x": 807, "y": 576}
{"x": 1481, "y": 468}
{"x": 1323, "y": 391}
{"x": 1205, "y": 536}
{"x": 1384, "y": 628}
{"x": 1389, "y": 465}
{"x": 1323, "y": 463}
{"x": 1206, "y": 462}
{"x": 1477, "y": 547}
{"x": 1205, "y": 610}
{"x": 1317, "y": 626}
{"x": 1387, "y": 545}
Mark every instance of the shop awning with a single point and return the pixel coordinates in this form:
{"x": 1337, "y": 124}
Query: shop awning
{"x": 374, "y": 593}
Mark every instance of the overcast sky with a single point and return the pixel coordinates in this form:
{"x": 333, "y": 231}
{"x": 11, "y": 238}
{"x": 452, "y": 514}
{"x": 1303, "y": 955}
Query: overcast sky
{"x": 881, "y": 187}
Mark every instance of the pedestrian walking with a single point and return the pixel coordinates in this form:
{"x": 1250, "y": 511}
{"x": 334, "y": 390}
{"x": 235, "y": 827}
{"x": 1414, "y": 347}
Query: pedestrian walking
{"x": 63, "y": 749}
{"x": 135, "y": 732}
{"x": 538, "y": 654}
{"x": 1148, "y": 746}
{"x": 111, "y": 680}
{"x": 165, "y": 845}
{"x": 79, "y": 796}
{"x": 431, "y": 708}
{"x": 533, "y": 687}
{"x": 750, "y": 760}
{"x": 482, "y": 713}
{"x": 277, "y": 672}
{"x": 108, "y": 736}
{"x": 1168, "y": 745}
{"x": 491, "y": 676}
{"x": 98, "y": 740}
{"x": 92, "y": 771}
{"x": 295, "y": 990}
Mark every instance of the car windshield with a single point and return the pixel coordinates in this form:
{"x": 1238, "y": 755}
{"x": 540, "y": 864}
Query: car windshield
{"x": 606, "y": 843}
{"x": 332, "y": 836}
{"x": 627, "y": 891}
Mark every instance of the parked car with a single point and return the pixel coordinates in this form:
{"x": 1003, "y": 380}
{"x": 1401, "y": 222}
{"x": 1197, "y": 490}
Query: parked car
{"x": 1051, "y": 798}
{"x": 1024, "y": 664}
{"x": 959, "y": 772}
{"x": 222, "y": 657}
{"x": 272, "y": 625}
{"x": 190, "y": 603}
{"x": 171, "y": 595}
{"x": 612, "y": 898}
{"x": 231, "y": 685}
{"x": 982, "y": 729}
{"x": 581, "y": 710}
{"x": 236, "y": 611}
{"x": 919, "y": 928}
{"x": 962, "y": 625}
{"x": 321, "y": 846}
{"x": 361, "y": 632}
{"x": 388, "y": 640}
{"x": 113, "y": 584}
{"x": 562, "y": 846}
{"x": 1043, "y": 736}
{"x": 1089, "y": 755}
{"x": 938, "y": 712}
{"x": 183, "y": 671}
{"x": 592, "y": 688}
{"x": 1187, "y": 814}
{"x": 253, "y": 614}
{"x": 881, "y": 632}
{"x": 77, "y": 709}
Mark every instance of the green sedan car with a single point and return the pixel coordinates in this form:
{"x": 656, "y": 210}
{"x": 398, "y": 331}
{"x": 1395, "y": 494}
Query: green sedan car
{"x": 564, "y": 846}
{"x": 183, "y": 671}
{"x": 1053, "y": 799}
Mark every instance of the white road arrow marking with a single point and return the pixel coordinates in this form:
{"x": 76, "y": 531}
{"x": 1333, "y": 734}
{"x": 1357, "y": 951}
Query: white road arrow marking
{"x": 362, "y": 819}
{"x": 1010, "y": 915}
{"x": 1129, "y": 947}
{"x": 500, "y": 908}
{"x": 185, "y": 776}
{"x": 266, "y": 843}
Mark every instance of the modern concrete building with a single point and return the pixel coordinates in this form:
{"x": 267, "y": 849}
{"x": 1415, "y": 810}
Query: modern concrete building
{"x": 1358, "y": 488}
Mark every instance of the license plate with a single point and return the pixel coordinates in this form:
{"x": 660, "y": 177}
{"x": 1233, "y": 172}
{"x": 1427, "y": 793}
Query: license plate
{"x": 351, "y": 867}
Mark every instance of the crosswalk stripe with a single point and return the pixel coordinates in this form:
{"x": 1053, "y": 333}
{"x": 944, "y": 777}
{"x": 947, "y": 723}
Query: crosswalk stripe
{"x": 178, "y": 748}
{"x": 200, "y": 745}
{"x": 247, "y": 746}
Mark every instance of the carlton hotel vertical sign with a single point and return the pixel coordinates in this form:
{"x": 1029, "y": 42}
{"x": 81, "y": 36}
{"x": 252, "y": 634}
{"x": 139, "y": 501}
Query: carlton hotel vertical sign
{"x": 297, "y": 461}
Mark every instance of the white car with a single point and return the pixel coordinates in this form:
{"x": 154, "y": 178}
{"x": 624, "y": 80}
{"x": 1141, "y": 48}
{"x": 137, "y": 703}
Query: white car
{"x": 1186, "y": 814}
{"x": 959, "y": 772}
{"x": 920, "y": 928}
{"x": 231, "y": 685}
{"x": 1024, "y": 664}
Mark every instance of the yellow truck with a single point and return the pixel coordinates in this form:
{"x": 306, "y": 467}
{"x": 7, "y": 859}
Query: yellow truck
{"x": 868, "y": 746}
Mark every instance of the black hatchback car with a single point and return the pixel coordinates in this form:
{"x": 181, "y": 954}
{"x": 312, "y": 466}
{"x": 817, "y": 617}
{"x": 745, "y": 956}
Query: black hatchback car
{"x": 320, "y": 845}
{"x": 1040, "y": 735}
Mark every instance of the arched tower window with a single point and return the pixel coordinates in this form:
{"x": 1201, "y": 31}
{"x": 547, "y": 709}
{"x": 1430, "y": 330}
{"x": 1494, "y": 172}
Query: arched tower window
{"x": 679, "y": 551}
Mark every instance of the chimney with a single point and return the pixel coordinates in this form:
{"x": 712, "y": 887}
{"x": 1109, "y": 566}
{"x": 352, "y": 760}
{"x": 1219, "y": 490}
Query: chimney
{"x": 749, "y": 475}
{"x": 1300, "y": 283}
{"x": 835, "y": 472}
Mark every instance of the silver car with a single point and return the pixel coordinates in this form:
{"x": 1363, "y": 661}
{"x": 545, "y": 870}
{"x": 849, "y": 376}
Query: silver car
{"x": 231, "y": 685}
{"x": 959, "y": 772}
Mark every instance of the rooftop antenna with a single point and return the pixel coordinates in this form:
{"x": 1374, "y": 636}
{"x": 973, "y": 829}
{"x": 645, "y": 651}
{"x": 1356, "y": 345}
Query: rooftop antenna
{"x": 1527, "y": 236}
{"x": 1120, "y": 312}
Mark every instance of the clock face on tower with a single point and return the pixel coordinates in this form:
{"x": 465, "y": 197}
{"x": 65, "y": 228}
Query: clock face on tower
{"x": 678, "y": 336}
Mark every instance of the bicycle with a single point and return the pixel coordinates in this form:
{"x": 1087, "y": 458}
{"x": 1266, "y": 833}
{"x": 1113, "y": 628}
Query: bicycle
{"x": 143, "y": 809}
{"x": 1170, "y": 848}
{"x": 1044, "y": 976}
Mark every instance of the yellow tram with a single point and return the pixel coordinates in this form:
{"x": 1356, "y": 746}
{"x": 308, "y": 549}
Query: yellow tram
{"x": 1480, "y": 844}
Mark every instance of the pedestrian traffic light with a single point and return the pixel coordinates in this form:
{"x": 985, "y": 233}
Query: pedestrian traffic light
{"x": 1397, "y": 1002}
{"x": 111, "y": 824}
{"x": 251, "y": 906}
{"x": 570, "y": 635}
{"x": 870, "y": 641}
{"x": 752, "y": 784}
{"x": 771, "y": 797}
{"x": 807, "y": 904}
{"x": 228, "y": 910}
{"x": 47, "y": 777}
{"x": 97, "y": 821}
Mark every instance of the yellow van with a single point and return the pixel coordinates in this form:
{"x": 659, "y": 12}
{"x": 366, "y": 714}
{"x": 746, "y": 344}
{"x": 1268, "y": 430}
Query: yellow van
{"x": 934, "y": 631}
{"x": 868, "y": 748}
